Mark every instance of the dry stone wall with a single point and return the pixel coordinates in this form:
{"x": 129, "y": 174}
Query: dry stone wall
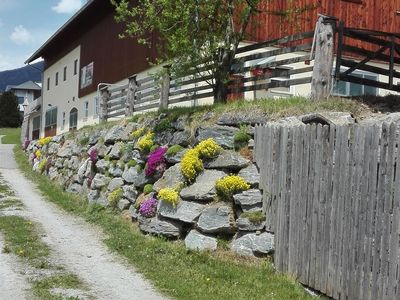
{"x": 110, "y": 168}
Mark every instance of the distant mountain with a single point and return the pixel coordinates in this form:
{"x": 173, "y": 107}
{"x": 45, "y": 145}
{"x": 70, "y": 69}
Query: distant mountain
{"x": 18, "y": 76}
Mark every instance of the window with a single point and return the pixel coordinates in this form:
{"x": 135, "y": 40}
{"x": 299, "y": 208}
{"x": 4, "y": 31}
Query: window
{"x": 343, "y": 88}
{"x": 73, "y": 119}
{"x": 86, "y": 110}
{"x": 63, "y": 121}
{"x": 75, "y": 67}
{"x": 56, "y": 78}
{"x": 48, "y": 83}
{"x": 35, "y": 128}
{"x": 65, "y": 73}
{"x": 283, "y": 77}
{"x": 51, "y": 117}
{"x": 87, "y": 75}
{"x": 20, "y": 100}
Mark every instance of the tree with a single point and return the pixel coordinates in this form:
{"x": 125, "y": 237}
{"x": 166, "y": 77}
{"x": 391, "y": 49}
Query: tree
{"x": 194, "y": 35}
{"x": 9, "y": 112}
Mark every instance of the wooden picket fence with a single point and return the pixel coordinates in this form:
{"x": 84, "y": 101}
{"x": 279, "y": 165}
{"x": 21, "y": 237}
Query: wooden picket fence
{"x": 332, "y": 197}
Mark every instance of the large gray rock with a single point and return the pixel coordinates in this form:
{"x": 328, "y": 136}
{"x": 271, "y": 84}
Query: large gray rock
{"x": 217, "y": 220}
{"x": 160, "y": 227}
{"x": 138, "y": 179}
{"x": 253, "y": 244}
{"x": 73, "y": 163}
{"x": 184, "y": 211}
{"x": 53, "y": 173}
{"x": 223, "y": 135}
{"x": 116, "y": 133}
{"x": 75, "y": 188}
{"x": 288, "y": 122}
{"x": 116, "y": 151}
{"x": 328, "y": 118}
{"x": 123, "y": 204}
{"x": 115, "y": 183}
{"x": 100, "y": 181}
{"x": 251, "y": 175}
{"x": 130, "y": 193}
{"x": 177, "y": 158}
{"x": 102, "y": 165}
{"x": 134, "y": 213}
{"x": 238, "y": 118}
{"x": 95, "y": 136}
{"x": 227, "y": 160}
{"x": 115, "y": 170}
{"x": 197, "y": 241}
{"x": 102, "y": 150}
{"x": 181, "y": 138}
{"x": 163, "y": 138}
{"x": 68, "y": 149}
{"x": 53, "y": 148}
{"x": 250, "y": 200}
{"x": 171, "y": 178}
{"x": 204, "y": 187}
{"x": 59, "y": 163}
{"x": 244, "y": 224}
{"x": 82, "y": 171}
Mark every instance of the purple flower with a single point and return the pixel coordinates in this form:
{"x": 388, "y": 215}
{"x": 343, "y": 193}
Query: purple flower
{"x": 93, "y": 155}
{"x": 26, "y": 143}
{"x": 156, "y": 162}
{"x": 148, "y": 208}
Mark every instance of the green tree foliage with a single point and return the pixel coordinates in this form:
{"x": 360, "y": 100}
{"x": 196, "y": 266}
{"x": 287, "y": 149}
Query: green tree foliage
{"x": 9, "y": 112}
{"x": 196, "y": 35}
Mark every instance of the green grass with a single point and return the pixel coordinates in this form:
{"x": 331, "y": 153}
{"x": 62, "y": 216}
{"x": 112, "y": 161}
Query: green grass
{"x": 174, "y": 270}
{"x": 12, "y": 135}
{"x": 41, "y": 288}
{"x": 7, "y": 203}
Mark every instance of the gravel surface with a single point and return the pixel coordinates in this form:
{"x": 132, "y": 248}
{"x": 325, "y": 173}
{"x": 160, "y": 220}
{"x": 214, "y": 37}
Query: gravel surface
{"x": 76, "y": 244}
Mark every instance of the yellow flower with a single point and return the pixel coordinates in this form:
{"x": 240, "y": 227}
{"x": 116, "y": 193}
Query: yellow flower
{"x": 146, "y": 142}
{"x": 169, "y": 195}
{"x": 208, "y": 148}
{"x": 230, "y": 185}
{"x": 191, "y": 164}
{"x": 38, "y": 154}
{"x": 138, "y": 132}
{"x": 44, "y": 141}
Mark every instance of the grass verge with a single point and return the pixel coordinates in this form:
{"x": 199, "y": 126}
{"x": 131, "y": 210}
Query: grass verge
{"x": 174, "y": 270}
{"x": 12, "y": 135}
{"x": 42, "y": 288}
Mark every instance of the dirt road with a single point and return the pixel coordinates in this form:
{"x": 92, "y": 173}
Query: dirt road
{"x": 76, "y": 244}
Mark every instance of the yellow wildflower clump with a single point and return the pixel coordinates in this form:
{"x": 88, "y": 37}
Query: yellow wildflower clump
{"x": 138, "y": 133}
{"x": 115, "y": 196}
{"x": 191, "y": 164}
{"x": 44, "y": 141}
{"x": 229, "y": 185}
{"x": 42, "y": 165}
{"x": 38, "y": 154}
{"x": 146, "y": 142}
{"x": 208, "y": 148}
{"x": 169, "y": 195}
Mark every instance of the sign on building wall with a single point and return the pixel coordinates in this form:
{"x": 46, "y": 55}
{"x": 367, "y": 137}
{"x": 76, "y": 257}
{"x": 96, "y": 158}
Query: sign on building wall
{"x": 87, "y": 75}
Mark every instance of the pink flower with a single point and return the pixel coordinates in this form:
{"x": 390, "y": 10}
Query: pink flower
{"x": 156, "y": 162}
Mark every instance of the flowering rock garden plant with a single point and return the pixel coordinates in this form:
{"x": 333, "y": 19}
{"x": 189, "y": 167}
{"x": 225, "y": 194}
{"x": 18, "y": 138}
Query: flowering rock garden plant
{"x": 174, "y": 182}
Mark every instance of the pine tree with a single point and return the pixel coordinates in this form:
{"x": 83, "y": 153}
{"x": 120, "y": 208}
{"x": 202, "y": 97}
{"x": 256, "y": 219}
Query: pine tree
{"x": 9, "y": 112}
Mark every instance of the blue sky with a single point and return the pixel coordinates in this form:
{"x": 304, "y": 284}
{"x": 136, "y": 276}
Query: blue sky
{"x": 26, "y": 24}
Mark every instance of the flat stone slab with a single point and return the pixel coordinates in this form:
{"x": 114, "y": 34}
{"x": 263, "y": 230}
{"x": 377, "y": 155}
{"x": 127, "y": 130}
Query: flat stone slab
{"x": 252, "y": 244}
{"x": 184, "y": 211}
{"x": 204, "y": 187}
{"x": 244, "y": 224}
{"x": 132, "y": 175}
{"x": 100, "y": 181}
{"x": 115, "y": 183}
{"x": 171, "y": 178}
{"x": 200, "y": 242}
{"x": 249, "y": 199}
{"x": 228, "y": 160}
{"x": 223, "y": 135}
{"x": 217, "y": 220}
{"x": 160, "y": 227}
{"x": 251, "y": 175}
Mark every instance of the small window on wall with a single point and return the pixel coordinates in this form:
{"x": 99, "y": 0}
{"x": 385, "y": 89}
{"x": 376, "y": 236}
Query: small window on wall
{"x": 96, "y": 107}
{"x": 48, "y": 83}
{"x": 73, "y": 119}
{"x": 87, "y": 75}
{"x": 63, "y": 121}
{"x": 65, "y": 73}
{"x": 347, "y": 89}
{"x": 35, "y": 128}
{"x": 86, "y": 110}
{"x": 57, "y": 78}
{"x": 75, "y": 67}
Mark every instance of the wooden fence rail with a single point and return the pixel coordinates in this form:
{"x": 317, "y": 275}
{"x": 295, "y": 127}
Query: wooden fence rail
{"x": 332, "y": 197}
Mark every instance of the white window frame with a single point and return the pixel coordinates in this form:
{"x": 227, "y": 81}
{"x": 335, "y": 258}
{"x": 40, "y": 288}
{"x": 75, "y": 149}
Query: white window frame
{"x": 348, "y": 84}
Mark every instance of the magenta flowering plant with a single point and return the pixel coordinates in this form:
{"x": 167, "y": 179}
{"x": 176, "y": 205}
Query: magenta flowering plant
{"x": 93, "y": 155}
{"x": 148, "y": 208}
{"x": 26, "y": 143}
{"x": 156, "y": 162}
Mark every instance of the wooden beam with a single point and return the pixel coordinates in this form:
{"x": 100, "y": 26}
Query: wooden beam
{"x": 362, "y": 51}
{"x": 339, "y": 52}
{"x": 369, "y": 68}
{"x": 391, "y": 62}
{"x": 274, "y": 84}
{"x": 130, "y": 98}
{"x": 165, "y": 88}
{"x": 369, "y": 82}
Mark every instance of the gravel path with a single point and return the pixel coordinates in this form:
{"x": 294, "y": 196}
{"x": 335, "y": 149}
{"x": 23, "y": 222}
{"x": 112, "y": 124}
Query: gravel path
{"x": 75, "y": 243}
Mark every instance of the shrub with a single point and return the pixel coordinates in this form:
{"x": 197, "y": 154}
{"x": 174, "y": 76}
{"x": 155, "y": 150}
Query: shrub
{"x": 148, "y": 188}
{"x": 241, "y": 138}
{"x": 138, "y": 133}
{"x": 169, "y": 195}
{"x": 146, "y": 142}
{"x": 156, "y": 162}
{"x": 84, "y": 141}
{"x": 191, "y": 164}
{"x": 163, "y": 125}
{"x": 115, "y": 196}
{"x": 42, "y": 165}
{"x": 38, "y": 154}
{"x": 44, "y": 141}
{"x": 174, "y": 150}
{"x": 208, "y": 148}
{"x": 230, "y": 185}
{"x": 254, "y": 216}
{"x": 148, "y": 208}
{"x": 131, "y": 163}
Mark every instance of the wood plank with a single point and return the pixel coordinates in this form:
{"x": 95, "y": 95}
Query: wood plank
{"x": 275, "y": 84}
{"x": 190, "y": 98}
{"x": 190, "y": 90}
{"x": 369, "y": 68}
{"x": 145, "y": 80}
{"x": 369, "y": 82}
{"x": 116, "y": 114}
{"x": 179, "y": 82}
{"x": 118, "y": 89}
{"x": 146, "y": 107}
{"x": 361, "y": 51}
{"x": 142, "y": 95}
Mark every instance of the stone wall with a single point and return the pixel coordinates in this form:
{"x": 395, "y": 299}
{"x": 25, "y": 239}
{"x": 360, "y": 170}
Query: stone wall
{"x": 107, "y": 166}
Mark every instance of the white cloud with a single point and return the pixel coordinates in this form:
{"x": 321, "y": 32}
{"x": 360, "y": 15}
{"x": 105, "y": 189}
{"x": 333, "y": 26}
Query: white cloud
{"x": 21, "y": 35}
{"x": 67, "y": 6}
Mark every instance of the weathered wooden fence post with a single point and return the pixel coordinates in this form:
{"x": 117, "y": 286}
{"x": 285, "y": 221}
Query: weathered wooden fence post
{"x": 104, "y": 96}
{"x": 166, "y": 79}
{"x": 130, "y": 97}
{"x": 323, "y": 63}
